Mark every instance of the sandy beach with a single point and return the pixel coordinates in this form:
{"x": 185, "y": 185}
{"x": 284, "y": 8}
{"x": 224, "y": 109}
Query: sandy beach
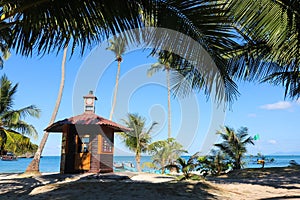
{"x": 269, "y": 183}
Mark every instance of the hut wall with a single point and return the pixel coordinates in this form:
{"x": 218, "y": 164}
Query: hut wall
{"x": 106, "y": 150}
{"x": 95, "y": 157}
{"x": 70, "y": 149}
{"x": 63, "y": 150}
{"x": 100, "y": 152}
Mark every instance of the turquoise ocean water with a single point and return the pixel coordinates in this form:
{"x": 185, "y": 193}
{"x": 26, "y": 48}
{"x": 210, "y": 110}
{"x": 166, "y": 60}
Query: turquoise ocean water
{"x": 52, "y": 163}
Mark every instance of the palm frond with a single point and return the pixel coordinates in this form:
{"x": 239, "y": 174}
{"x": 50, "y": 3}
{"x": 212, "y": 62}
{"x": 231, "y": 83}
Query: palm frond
{"x": 273, "y": 27}
{"x": 25, "y": 129}
{"x": 156, "y": 67}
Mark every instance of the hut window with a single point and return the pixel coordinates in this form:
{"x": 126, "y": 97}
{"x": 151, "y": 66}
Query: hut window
{"x": 106, "y": 147}
{"x": 85, "y": 144}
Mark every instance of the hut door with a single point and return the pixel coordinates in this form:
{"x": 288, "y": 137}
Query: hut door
{"x": 83, "y": 156}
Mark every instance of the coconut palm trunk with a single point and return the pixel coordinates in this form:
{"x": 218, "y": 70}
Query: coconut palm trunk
{"x": 138, "y": 161}
{"x": 116, "y": 89}
{"x": 164, "y": 65}
{"x": 169, "y": 101}
{"x": 34, "y": 166}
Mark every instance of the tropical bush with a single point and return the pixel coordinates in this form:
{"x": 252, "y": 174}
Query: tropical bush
{"x": 165, "y": 153}
{"x": 186, "y": 167}
{"x": 234, "y": 144}
{"x": 215, "y": 163}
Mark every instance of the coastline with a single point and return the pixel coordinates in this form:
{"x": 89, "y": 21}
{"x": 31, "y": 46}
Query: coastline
{"x": 268, "y": 183}
{"x": 51, "y": 164}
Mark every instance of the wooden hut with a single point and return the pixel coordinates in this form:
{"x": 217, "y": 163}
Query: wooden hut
{"x": 87, "y": 140}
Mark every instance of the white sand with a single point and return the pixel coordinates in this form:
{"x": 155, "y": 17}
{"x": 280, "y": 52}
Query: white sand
{"x": 279, "y": 183}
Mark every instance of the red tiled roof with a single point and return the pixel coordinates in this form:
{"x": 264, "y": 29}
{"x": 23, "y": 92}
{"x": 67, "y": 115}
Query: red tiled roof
{"x": 85, "y": 119}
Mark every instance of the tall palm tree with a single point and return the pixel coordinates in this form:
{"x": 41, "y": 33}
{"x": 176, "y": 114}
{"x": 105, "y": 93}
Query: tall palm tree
{"x": 34, "y": 166}
{"x": 164, "y": 64}
{"x": 165, "y": 152}
{"x": 118, "y": 46}
{"x": 12, "y": 120}
{"x": 5, "y": 54}
{"x": 234, "y": 144}
{"x": 137, "y": 140}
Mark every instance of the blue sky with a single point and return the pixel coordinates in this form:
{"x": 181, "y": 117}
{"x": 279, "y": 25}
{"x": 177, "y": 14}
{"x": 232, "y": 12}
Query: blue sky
{"x": 261, "y": 107}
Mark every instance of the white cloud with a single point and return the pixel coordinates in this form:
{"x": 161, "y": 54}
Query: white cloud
{"x": 252, "y": 115}
{"x": 281, "y": 105}
{"x": 272, "y": 142}
{"x": 298, "y": 101}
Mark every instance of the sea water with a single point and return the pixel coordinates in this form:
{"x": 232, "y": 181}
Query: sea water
{"x": 52, "y": 163}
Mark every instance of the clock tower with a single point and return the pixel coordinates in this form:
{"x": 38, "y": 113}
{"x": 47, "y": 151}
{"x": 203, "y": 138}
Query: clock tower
{"x": 89, "y": 102}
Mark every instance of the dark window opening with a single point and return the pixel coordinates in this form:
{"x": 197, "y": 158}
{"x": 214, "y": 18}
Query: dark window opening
{"x": 84, "y": 146}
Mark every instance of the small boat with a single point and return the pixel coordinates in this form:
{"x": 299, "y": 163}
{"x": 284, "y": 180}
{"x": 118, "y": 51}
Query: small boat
{"x": 293, "y": 163}
{"x": 118, "y": 165}
{"x": 9, "y": 157}
{"x": 129, "y": 166}
{"x": 124, "y": 166}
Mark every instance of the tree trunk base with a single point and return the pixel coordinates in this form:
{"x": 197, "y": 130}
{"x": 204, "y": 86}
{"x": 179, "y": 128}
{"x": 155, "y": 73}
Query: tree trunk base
{"x": 30, "y": 174}
{"x": 33, "y": 167}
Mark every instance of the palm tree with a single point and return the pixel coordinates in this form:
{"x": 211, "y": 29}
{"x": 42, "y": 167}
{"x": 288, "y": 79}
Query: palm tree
{"x": 118, "y": 46}
{"x": 272, "y": 44}
{"x": 234, "y": 144}
{"x": 5, "y": 54}
{"x": 137, "y": 140}
{"x": 215, "y": 163}
{"x": 34, "y": 166}
{"x": 164, "y": 64}
{"x": 11, "y": 120}
{"x": 187, "y": 167}
{"x": 165, "y": 152}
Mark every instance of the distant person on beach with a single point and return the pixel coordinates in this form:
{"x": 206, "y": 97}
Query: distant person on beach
{"x": 262, "y": 162}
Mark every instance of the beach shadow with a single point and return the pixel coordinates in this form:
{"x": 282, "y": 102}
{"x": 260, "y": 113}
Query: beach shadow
{"x": 127, "y": 190}
{"x": 282, "y": 197}
{"x": 281, "y": 177}
{"x": 91, "y": 187}
{"x": 17, "y": 187}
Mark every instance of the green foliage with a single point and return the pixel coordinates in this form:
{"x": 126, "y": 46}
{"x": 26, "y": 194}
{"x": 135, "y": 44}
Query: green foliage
{"x": 118, "y": 46}
{"x": 165, "y": 62}
{"x": 11, "y": 121}
{"x": 272, "y": 44}
{"x": 138, "y": 139}
{"x": 150, "y": 165}
{"x": 185, "y": 166}
{"x": 19, "y": 144}
{"x": 234, "y": 144}
{"x": 254, "y": 40}
{"x": 47, "y": 26}
{"x": 215, "y": 163}
{"x": 165, "y": 152}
